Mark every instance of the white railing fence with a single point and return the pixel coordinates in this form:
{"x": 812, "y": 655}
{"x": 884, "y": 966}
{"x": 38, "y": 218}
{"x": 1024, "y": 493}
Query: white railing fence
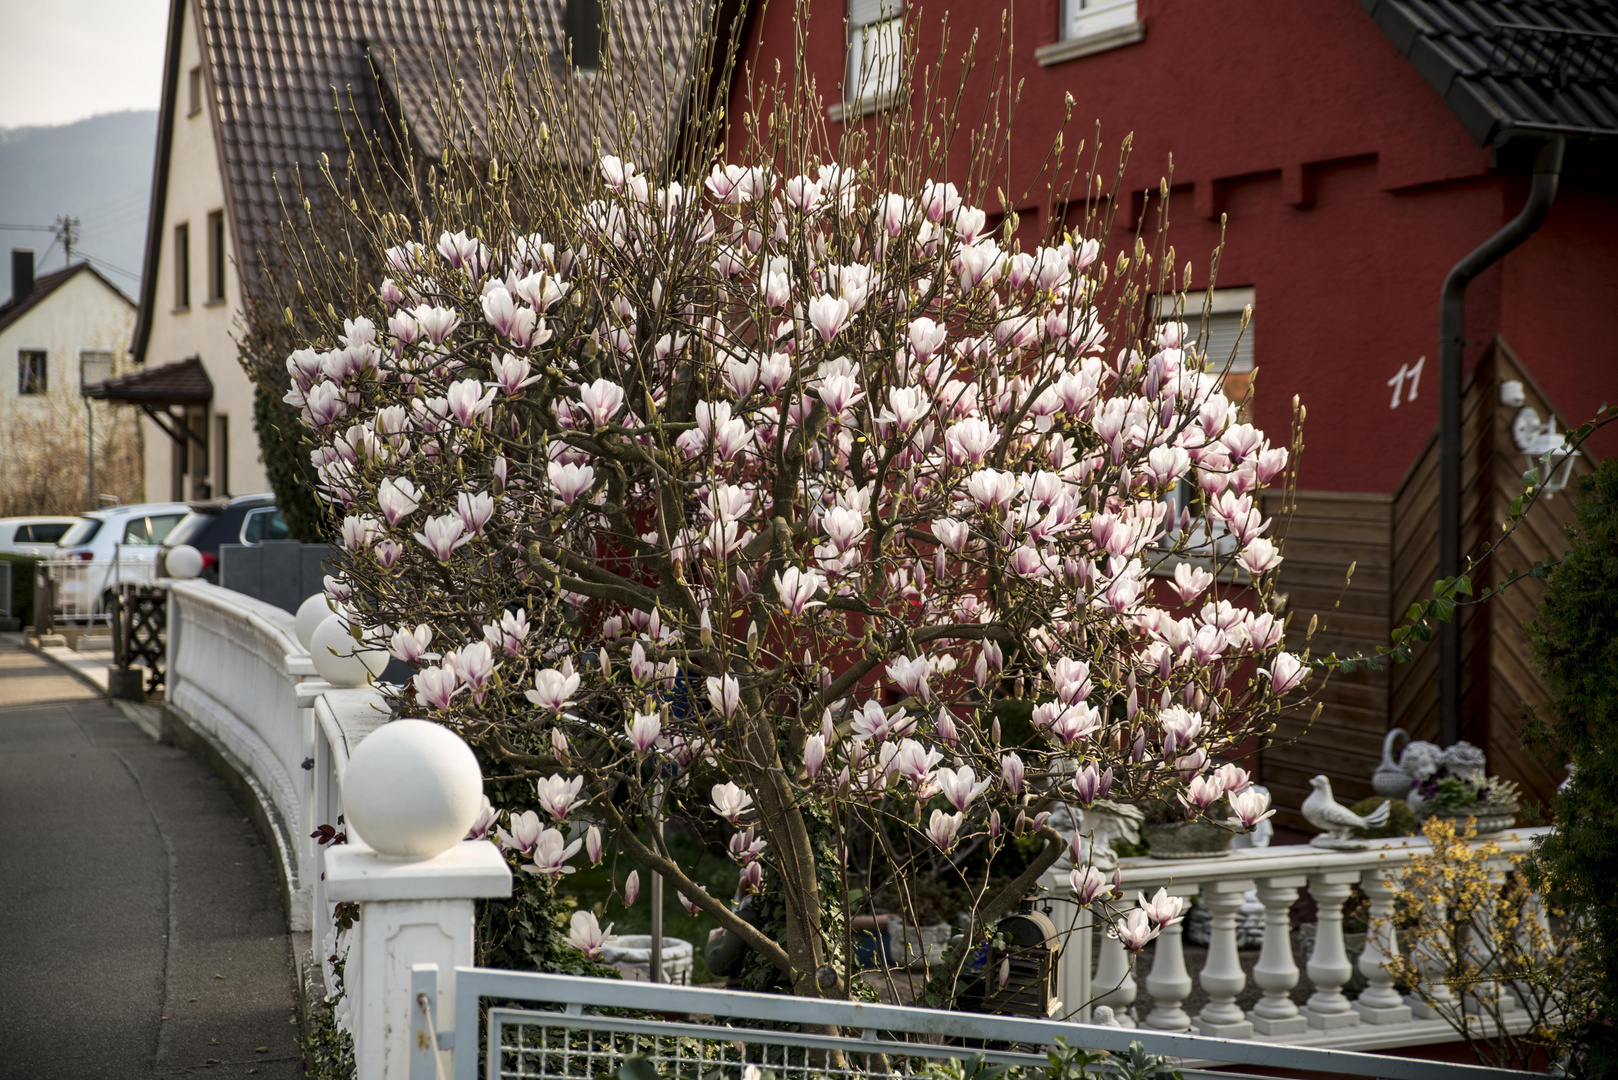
{"x": 1379, "y": 1017}
{"x": 238, "y": 678}
{"x": 565, "y": 1034}
{"x": 81, "y": 588}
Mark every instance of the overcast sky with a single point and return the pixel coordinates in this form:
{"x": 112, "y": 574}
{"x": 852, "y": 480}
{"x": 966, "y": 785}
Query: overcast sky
{"x": 63, "y": 60}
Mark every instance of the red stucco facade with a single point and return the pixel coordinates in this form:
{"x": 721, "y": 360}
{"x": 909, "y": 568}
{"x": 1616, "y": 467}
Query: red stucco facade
{"x": 1350, "y": 191}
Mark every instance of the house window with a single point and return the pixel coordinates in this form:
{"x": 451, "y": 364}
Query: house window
{"x": 1092, "y": 26}
{"x": 95, "y": 366}
{"x": 194, "y": 88}
{"x": 1222, "y": 340}
{"x": 182, "y": 266}
{"x": 221, "y": 454}
{"x": 216, "y": 256}
{"x": 32, "y": 373}
{"x": 582, "y": 20}
{"x": 875, "y": 51}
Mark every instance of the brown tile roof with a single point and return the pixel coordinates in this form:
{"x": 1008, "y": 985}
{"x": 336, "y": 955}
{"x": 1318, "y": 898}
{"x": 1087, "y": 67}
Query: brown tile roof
{"x": 44, "y": 285}
{"x": 281, "y": 76}
{"x": 184, "y": 382}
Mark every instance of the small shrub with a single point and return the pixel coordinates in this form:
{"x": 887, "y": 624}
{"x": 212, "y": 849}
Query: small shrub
{"x": 1401, "y": 819}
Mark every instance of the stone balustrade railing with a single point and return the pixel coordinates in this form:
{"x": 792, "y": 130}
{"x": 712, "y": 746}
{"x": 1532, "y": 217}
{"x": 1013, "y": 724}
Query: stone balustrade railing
{"x": 1379, "y": 1017}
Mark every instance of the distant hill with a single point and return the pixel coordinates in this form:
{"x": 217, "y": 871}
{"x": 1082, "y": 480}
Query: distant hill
{"x": 98, "y": 170}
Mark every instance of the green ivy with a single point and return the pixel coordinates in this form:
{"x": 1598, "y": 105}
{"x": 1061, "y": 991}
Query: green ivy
{"x": 328, "y": 1050}
{"x": 1575, "y": 643}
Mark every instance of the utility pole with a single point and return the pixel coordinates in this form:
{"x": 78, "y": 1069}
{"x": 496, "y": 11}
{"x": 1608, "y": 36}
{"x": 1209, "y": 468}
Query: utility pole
{"x": 67, "y": 230}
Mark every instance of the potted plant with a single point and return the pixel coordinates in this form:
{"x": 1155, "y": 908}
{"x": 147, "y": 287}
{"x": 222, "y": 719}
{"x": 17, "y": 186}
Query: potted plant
{"x": 1452, "y": 784}
{"x": 1200, "y": 824}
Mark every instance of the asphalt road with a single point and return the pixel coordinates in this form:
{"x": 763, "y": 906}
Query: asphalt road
{"x": 141, "y": 929}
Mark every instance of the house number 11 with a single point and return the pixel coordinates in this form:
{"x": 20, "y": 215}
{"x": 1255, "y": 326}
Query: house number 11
{"x": 1398, "y": 382}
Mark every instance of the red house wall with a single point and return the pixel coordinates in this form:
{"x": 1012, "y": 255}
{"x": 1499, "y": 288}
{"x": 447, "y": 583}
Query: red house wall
{"x": 1350, "y": 191}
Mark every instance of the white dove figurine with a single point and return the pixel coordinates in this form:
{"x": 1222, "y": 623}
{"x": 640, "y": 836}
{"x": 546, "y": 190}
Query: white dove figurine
{"x": 1336, "y": 821}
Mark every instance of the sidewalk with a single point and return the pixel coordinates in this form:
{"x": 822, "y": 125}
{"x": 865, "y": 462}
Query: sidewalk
{"x": 141, "y": 927}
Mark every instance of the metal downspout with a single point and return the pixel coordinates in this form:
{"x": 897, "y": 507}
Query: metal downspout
{"x": 1452, "y": 345}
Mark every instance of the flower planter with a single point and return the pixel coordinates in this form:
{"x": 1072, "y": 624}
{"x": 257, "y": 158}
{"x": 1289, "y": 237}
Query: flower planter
{"x": 1187, "y": 840}
{"x": 631, "y": 954}
{"x": 1490, "y": 819}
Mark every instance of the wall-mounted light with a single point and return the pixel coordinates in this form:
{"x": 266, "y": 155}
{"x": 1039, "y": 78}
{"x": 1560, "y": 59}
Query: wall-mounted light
{"x": 1549, "y": 456}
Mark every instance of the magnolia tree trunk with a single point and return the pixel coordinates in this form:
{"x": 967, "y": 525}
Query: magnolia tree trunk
{"x": 764, "y": 483}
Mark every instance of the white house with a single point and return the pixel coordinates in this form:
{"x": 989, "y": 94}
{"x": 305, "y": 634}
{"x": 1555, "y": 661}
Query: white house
{"x": 250, "y": 97}
{"x": 55, "y": 330}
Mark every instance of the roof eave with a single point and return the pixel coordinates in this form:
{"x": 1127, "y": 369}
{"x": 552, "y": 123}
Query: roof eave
{"x": 160, "y": 181}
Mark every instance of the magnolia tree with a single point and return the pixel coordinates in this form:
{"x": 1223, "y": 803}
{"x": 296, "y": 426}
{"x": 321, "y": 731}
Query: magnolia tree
{"x": 740, "y": 493}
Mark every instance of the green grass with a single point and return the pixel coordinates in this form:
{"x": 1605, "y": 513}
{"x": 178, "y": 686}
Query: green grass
{"x": 593, "y": 888}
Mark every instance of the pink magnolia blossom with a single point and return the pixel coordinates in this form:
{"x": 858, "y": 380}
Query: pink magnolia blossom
{"x": 1135, "y": 930}
{"x": 942, "y": 829}
{"x": 1013, "y": 770}
{"x": 483, "y": 825}
{"x": 814, "y": 754}
{"x": 1090, "y": 785}
{"x": 910, "y": 674}
{"x": 553, "y": 689}
{"x": 398, "y": 499}
{"x": 961, "y": 787}
{"x": 725, "y": 695}
{"x": 524, "y": 835}
{"x": 730, "y": 802}
{"x": 551, "y": 853}
{"x": 437, "y": 686}
{"x": 644, "y": 730}
{"x": 1203, "y": 792}
{"x": 1259, "y": 556}
{"x": 632, "y": 888}
{"x": 1088, "y": 884}
{"x": 1286, "y": 672}
{"x": 411, "y": 645}
{"x": 558, "y": 796}
{"x": 585, "y": 934}
{"x": 443, "y": 536}
{"x": 797, "y": 589}
{"x": 1162, "y": 909}
{"x": 1251, "y": 805}
{"x": 828, "y": 315}
{"x": 601, "y": 401}
{"x": 570, "y": 480}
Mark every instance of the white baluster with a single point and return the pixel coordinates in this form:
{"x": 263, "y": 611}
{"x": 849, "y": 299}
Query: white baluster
{"x": 1170, "y": 983}
{"x": 1115, "y": 980}
{"x": 1379, "y": 1002}
{"x": 1222, "y": 976}
{"x": 1432, "y": 971}
{"x": 1328, "y": 966}
{"x": 1277, "y": 972}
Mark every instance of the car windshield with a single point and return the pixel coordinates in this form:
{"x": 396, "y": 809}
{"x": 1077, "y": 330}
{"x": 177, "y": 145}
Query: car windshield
{"x": 82, "y": 531}
{"x": 263, "y": 526}
{"x": 150, "y": 530}
{"x": 190, "y": 529}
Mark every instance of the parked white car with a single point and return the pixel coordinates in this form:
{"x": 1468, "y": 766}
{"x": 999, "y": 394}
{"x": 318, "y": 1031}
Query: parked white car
{"x": 35, "y": 537}
{"x": 106, "y": 548}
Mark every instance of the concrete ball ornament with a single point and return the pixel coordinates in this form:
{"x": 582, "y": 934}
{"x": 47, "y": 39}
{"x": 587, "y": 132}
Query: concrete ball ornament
{"x": 183, "y": 561}
{"x": 311, "y": 613}
{"x": 412, "y": 789}
{"x": 340, "y": 659}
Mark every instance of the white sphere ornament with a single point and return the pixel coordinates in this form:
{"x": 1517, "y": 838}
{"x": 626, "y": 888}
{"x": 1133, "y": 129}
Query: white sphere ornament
{"x": 412, "y": 789}
{"x": 340, "y": 659}
{"x": 311, "y": 613}
{"x": 183, "y": 561}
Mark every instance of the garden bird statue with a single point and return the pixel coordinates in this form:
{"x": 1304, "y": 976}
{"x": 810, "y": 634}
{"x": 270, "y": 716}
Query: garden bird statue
{"x": 1336, "y": 821}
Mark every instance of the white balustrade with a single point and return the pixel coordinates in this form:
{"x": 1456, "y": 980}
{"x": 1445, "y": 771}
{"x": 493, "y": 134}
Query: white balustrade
{"x": 1379, "y": 1002}
{"x": 1376, "y": 1018}
{"x": 1276, "y": 972}
{"x": 1169, "y": 983}
{"x": 233, "y": 671}
{"x": 1222, "y": 976}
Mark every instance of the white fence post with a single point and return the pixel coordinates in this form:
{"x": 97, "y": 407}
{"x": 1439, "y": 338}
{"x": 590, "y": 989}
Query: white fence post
{"x": 411, "y": 912}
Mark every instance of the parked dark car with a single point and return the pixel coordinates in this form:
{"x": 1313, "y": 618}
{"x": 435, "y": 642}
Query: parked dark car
{"x": 244, "y": 519}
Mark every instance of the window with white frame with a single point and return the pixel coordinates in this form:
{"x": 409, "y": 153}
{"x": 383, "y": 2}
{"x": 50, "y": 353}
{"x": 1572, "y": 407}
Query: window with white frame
{"x": 1221, "y": 340}
{"x": 1086, "y": 18}
{"x": 875, "y": 50}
